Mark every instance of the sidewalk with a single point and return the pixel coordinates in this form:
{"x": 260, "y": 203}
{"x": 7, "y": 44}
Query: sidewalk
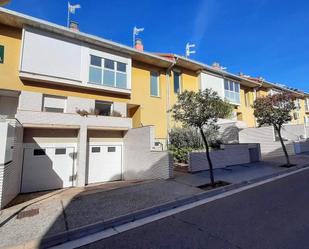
{"x": 65, "y": 210}
{"x": 242, "y": 173}
{"x": 74, "y": 212}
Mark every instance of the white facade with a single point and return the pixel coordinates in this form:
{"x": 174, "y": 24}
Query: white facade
{"x": 50, "y": 58}
{"x": 209, "y": 81}
{"x": 53, "y": 164}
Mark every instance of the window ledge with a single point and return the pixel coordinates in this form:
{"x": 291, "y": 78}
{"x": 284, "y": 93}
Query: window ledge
{"x": 46, "y": 79}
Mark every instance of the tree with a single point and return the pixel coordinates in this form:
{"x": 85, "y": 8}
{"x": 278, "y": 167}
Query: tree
{"x": 275, "y": 110}
{"x": 201, "y": 110}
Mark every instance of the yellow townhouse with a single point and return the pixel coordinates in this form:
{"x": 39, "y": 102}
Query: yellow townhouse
{"x": 301, "y": 114}
{"x": 235, "y": 89}
{"x": 76, "y": 109}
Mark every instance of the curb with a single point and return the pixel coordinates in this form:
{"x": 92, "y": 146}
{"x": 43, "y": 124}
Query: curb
{"x": 87, "y": 230}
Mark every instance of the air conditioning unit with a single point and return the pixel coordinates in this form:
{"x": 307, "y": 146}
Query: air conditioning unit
{"x": 158, "y": 146}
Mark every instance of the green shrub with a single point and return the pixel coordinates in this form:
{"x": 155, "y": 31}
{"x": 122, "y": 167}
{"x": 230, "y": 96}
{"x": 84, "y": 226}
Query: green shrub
{"x": 185, "y": 140}
{"x": 180, "y": 154}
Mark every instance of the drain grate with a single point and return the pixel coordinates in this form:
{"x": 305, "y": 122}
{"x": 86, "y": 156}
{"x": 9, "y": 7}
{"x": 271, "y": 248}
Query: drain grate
{"x": 218, "y": 184}
{"x": 28, "y": 213}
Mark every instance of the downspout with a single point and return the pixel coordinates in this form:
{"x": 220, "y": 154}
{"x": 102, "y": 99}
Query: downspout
{"x": 255, "y": 97}
{"x": 168, "y": 90}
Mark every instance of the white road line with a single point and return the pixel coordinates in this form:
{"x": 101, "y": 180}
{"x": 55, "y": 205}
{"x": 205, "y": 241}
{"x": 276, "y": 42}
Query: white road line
{"x": 131, "y": 225}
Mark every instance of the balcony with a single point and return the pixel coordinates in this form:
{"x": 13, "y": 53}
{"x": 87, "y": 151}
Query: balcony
{"x": 71, "y": 120}
{"x": 72, "y": 64}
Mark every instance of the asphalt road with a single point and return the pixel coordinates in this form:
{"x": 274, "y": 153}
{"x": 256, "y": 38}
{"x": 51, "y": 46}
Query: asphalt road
{"x": 274, "y": 215}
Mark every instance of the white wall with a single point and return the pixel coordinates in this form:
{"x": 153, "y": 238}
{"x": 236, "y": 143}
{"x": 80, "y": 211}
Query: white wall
{"x": 215, "y": 83}
{"x": 30, "y": 101}
{"x": 265, "y": 137}
{"x": 142, "y": 163}
{"x": 30, "y": 118}
{"x": 10, "y": 173}
{"x": 231, "y": 155}
{"x": 8, "y": 106}
{"x": 74, "y": 103}
{"x": 50, "y": 57}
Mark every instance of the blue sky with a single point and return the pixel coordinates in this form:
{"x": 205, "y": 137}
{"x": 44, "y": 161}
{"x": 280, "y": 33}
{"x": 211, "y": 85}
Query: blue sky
{"x": 255, "y": 37}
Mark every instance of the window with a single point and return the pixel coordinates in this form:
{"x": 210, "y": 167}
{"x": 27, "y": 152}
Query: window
{"x": 54, "y": 103}
{"x": 296, "y": 115}
{"x": 111, "y": 149}
{"x": 177, "y": 82}
{"x": 232, "y": 91}
{"x": 39, "y": 152}
{"x": 107, "y": 72}
{"x": 103, "y": 108}
{"x": 297, "y": 104}
{"x": 247, "y": 99}
{"x": 60, "y": 151}
{"x": 307, "y": 105}
{"x": 95, "y": 149}
{"x": 154, "y": 84}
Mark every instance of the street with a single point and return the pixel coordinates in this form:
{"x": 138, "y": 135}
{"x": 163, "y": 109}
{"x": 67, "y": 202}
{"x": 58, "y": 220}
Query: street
{"x": 274, "y": 215}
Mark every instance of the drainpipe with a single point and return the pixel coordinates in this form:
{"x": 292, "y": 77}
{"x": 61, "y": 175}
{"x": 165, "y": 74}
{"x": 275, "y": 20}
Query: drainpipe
{"x": 255, "y": 97}
{"x": 168, "y": 90}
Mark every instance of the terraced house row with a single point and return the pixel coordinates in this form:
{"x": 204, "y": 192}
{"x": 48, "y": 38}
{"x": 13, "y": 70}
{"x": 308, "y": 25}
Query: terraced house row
{"x": 77, "y": 109}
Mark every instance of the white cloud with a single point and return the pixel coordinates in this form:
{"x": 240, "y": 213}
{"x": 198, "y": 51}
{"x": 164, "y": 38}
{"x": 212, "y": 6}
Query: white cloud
{"x": 205, "y": 14}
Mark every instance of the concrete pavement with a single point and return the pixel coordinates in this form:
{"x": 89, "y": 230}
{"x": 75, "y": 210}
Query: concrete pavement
{"x": 72, "y": 213}
{"x": 273, "y": 215}
{"x": 69, "y": 212}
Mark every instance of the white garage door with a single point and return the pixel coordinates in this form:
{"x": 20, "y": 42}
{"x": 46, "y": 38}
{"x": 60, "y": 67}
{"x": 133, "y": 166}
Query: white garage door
{"x": 105, "y": 163}
{"x": 47, "y": 168}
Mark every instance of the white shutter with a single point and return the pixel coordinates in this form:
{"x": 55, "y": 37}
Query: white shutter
{"x": 54, "y": 102}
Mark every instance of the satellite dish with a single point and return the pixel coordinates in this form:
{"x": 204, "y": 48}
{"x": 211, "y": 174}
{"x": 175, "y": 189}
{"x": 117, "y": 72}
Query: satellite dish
{"x": 4, "y": 2}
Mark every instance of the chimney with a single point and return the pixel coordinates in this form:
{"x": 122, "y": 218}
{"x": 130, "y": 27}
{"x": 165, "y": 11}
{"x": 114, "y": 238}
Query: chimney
{"x": 216, "y": 65}
{"x": 74, "y": 26}
{"x": 139, "y": 45}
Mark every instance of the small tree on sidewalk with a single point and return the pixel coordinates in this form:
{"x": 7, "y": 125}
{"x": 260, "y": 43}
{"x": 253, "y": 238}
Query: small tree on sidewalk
{"x": 275, "y": 110}
{"x": 201, "y": 110}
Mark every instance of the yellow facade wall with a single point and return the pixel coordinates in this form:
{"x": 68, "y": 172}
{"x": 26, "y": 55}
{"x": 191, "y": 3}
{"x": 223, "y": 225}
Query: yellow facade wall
{"x": 188, "y": 81}
{"x": 152, "y": 110}
{"x": 10, "y": 38}
{"x": 245, "y": 110}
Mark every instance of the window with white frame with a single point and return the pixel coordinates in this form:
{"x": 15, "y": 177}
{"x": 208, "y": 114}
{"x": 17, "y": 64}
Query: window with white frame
{"x": 154, "y": 84}
{"x": 107, "y": 72}
{"x": 232, "y": 91}
{"x": 53, "y": 103}
{"x": 177, "y": 82}
{"x": 307, "y": 105}
{"x": 297, "y": 104}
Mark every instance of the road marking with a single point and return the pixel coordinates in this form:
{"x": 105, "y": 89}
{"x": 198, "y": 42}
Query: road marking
{"x": 131, "y": 225}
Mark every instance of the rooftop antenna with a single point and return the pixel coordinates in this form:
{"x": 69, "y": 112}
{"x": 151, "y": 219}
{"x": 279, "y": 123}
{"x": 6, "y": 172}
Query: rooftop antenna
{"x": 71, "y": 10}
{"x": 188, "y": 49}
{"x": 136, "y": 31}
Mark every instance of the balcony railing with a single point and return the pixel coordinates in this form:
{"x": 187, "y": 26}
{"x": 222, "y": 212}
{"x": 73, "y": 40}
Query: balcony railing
{"x": 52, "y": 119}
